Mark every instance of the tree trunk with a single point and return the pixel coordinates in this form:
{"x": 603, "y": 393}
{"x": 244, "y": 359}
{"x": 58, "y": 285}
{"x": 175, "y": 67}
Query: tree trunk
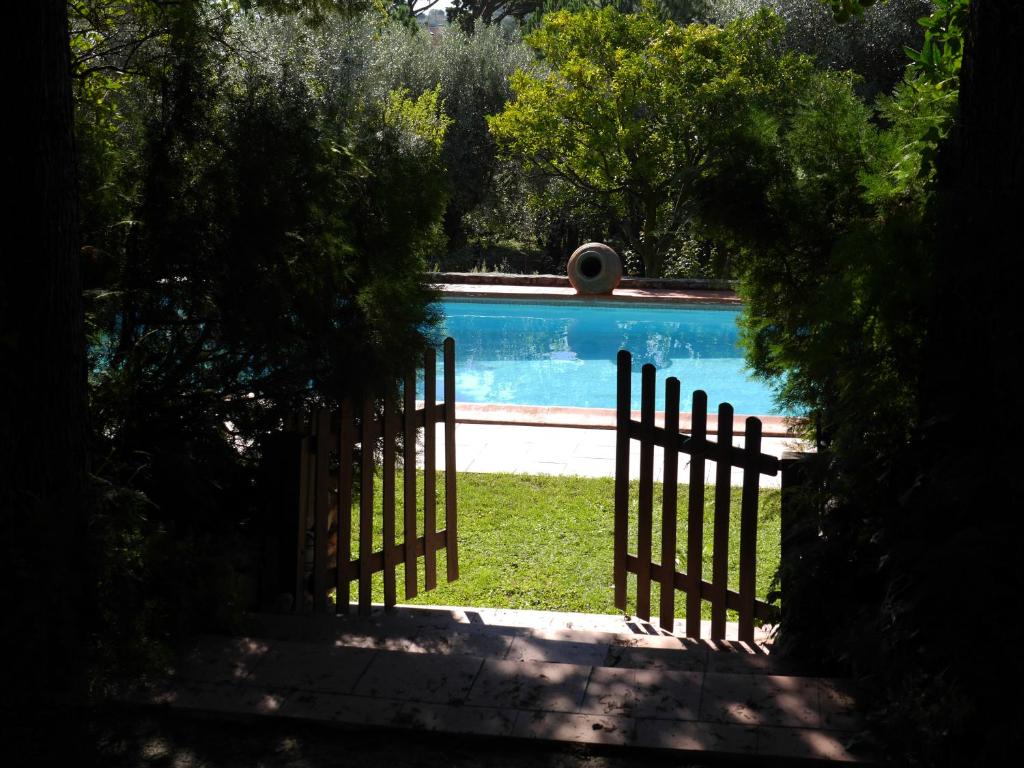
{"x": 42, "y": 433}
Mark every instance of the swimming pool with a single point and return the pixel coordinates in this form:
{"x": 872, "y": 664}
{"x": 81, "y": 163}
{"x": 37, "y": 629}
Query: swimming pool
{"x": 562, "y": 353}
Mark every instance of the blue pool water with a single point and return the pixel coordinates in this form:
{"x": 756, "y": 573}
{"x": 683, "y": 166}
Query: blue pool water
{"x": 563, "y": 353}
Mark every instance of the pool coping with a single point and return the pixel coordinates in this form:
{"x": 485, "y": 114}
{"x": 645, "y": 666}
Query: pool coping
{"x": 604, "y": 418}
{"x": 567, "y": 293}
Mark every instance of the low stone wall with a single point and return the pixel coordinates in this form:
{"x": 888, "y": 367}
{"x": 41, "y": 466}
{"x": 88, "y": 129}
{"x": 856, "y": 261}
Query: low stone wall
{"x": 562, "y": 281}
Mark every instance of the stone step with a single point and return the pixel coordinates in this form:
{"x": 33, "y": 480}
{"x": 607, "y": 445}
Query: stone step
{"x": 683, "y": 710}
{"x": 542, "y": 636}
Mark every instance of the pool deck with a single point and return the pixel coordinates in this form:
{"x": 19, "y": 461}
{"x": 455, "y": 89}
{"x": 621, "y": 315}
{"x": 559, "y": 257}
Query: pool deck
{"x": 585, "y": 452}
{"x": 641, "y": 295}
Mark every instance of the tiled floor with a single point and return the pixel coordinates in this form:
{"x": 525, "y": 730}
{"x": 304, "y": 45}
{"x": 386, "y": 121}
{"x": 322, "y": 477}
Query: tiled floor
{"x": 520, "y": 675}
{"x": 547, "y": 450}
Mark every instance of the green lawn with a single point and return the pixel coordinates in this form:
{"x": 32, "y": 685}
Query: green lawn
{"x": 545, "y": 543}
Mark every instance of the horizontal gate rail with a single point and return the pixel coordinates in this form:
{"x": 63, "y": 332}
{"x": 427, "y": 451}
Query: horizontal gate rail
{"x": 329, "y": 464}
{"x": 700, "y": 450}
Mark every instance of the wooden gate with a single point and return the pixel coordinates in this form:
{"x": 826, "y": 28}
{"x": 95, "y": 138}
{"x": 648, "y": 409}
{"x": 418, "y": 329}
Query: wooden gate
{"x": 700, "y": 450}
{"x": 381, "y": 428}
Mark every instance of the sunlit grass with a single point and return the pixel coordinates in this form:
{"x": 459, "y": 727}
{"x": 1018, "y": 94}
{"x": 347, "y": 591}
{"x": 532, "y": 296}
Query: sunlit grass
{"x": 545, "y": 543}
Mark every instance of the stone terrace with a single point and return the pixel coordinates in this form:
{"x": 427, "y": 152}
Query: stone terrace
{"x": 571, "y": 678}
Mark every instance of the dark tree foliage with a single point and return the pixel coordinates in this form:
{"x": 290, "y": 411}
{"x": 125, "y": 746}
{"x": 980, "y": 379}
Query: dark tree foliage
{"x": 43, "y": 568}
{"x": 466, "y": 13}
{"x": 254, "y": 237}
{"x": 896, "y": 338}
{"x": 872, "y": 44}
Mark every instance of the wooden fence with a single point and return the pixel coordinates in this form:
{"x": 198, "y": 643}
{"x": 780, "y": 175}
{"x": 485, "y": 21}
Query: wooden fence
{"x": 700, "y": 449}
{"x": 382, "y": 428}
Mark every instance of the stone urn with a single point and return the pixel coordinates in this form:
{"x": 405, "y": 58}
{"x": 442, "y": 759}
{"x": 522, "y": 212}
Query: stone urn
{"x": 594, "y": 268}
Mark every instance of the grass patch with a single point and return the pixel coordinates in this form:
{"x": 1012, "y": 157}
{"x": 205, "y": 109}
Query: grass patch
{"x": 545, "y": 543}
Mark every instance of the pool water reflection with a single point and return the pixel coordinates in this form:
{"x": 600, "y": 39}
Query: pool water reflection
{"x": 563, "y": 353}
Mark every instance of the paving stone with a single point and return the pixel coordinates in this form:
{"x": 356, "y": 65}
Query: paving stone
{"x": 419, "y": 677}
{"x": 760, "y": 700}
{"x": 575, "y": 728}
{"x": 342, "y": 708}
{"x": 556, "y": 647}
{"x": 643, "y": 693}
{"x": 680, "y": 659}
{"x": 530, "y": 685}
{"x": 222, "y": 659}
{"x": 838, "y": 705}
{"x": 440, "y": 641}
{"x": 804, "y": 743}
{"x": 311, "y": 667}
{"x": 734, "y": 657}
{"x": 503, "y": 673}
{"x": 696, "y": 737}
{"x": 479, "y": 721}
{"x": 225, "y": 698}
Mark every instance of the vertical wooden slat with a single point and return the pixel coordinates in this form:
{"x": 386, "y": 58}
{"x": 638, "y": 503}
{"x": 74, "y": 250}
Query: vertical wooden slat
{"x": 748, "y": 528}
{"x": 451, "y": 523}
{"x": 388, "y": 501}
{"x": 409, "y": 482}
{"x": 429, "y": 470}
{"x": 695, "y": 513}
{"x": 366, "y": 508}
{"x": 622, "y": 419}
{"x": 669, "y": 506}
{"x": 720, "y": 542}
{"x": 645, "y": 495}
{"x": 306, "y": 475}
{"x": 346, "y": 439}
{"x": 323, "y": 428}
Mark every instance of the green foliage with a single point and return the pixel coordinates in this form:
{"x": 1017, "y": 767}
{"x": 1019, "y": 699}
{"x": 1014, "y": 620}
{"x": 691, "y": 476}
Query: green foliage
{"x": 633, "y": 113}
{"x": 872, "y": 44}
{"x": 942, "y": 50}
{"x": 472, "y": 74}
{"x": 841, "y": 305}
{"x": 255, "y": 221}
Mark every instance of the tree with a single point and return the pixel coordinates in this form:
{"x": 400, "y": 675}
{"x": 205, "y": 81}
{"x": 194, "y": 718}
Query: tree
{"x": 631, "y": 111}
{"x": 467, "y": 12}
{"x": 911, "y": 479}
{"x": 256, "y": 214}
{"x": 872, "y": 43}
{"x": 42, "y": 429}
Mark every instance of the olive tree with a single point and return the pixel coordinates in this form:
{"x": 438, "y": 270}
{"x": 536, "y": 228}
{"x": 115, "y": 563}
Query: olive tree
{"x": 632, "y": 112}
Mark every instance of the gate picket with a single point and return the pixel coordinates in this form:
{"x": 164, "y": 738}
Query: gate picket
{"x": 669, "y": 509}
{"x": 695, "y": 512}
{"x": 622, "y": 440}
{"x": 366, "y": 508}
{"x": 720, "y": 542}
{"x": 409, "y": 483}
{"x": 748, "y": 529}
{"x": 346, "y": 437}
{"x": 700, "y": 450}
{"x": 320, "y": 485}
{"x": 450, "y": 518}
{"x": 645, "y": 495}
{"x": 388, "y": 501}
{"x": 429, "y": 476}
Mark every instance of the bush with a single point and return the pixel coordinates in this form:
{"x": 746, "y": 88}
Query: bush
{"x": 256, "y": 222}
